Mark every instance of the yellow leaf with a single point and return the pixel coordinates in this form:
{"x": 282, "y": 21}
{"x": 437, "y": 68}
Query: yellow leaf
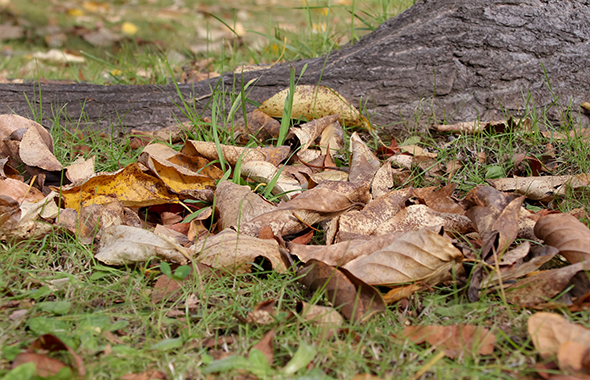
{"x": 75, "y": 12}
{"x": 116, "y": 72}
{"x": 314, "y": 102}
{"x": 129, "y": 28}
{"x": 130, "y": 186}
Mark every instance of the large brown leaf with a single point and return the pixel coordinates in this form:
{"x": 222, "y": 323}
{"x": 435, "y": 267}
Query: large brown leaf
{"x": 455, "y": 340}
{"x": 356, "y": 300}
{"x": 363, "y": 164}
{"x": 238, "y": 205}
{"x": 366, "y": 221}
{"x": 549, "y": 331}
{"x": 536, "y": 290}
{"x": 341, "y": 253}
{"x": 495, "y": 216}
{"x": 566, "y": 233}
{"x": 235, "y": 252}
{"x": 325, "y": 201}
{"x": 420, "y": 255}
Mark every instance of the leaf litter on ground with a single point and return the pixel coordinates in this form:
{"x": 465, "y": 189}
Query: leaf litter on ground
{"x": 383, "y": 241}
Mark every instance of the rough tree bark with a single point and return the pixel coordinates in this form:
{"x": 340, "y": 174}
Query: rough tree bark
{"x": 441, "y": 60}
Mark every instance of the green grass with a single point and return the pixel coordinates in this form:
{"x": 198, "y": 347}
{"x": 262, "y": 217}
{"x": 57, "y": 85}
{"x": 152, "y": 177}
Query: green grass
{"x": 106, "y": 314}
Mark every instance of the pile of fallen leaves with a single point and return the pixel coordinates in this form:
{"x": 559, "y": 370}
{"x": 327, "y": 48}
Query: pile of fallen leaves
{"x": 201, "y": 205}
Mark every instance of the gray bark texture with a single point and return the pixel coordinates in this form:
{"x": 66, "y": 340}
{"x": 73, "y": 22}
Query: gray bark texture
{"x": 441, "y": 60}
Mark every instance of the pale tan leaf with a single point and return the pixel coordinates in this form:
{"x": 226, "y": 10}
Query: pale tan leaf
{"x": 420, "y": 255}
{"x": 80, "y": 169}
{"x": 307, "y": 133}
{"x": 382, "y": 181}
{"x": 541, "y": 188}
{"x": 34, "y": 151}
{"x": 364, "y": 164}
{"x": 265, "y": 172}
{"x": 19, "y": 191}
{"x": 549, "y": 331}
{"x": 321, "y": 316}
{"x": 416, "y": 217}
{"x": 566, "y": 233}
{"x": 314, "y": 102}
{"x": 235, "y": 252}
{"x": 124, "y": 245}
{"x": 471, "y": 126}
{"x": 238, "y": 205}
{"x": 231, "y": 154}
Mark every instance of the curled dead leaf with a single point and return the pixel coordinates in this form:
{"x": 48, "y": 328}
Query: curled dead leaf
{"x": 566, "y": 233}
{"x": 420, "y": 255}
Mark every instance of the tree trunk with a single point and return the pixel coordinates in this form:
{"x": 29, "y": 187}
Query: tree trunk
{"x": 441, "y": 60}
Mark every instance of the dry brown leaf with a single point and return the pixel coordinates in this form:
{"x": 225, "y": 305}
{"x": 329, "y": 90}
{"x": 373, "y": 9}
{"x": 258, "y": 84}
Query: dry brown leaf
{"x": 541, "y": 188}
{"x": 263, "y": 314}
{"x": 473, "y": 126}
{"x": 566, "y": 233}
{"x": 124, "y": 245}
{"x": 535, "y": 291}
{"x": 458, "y": 340}
{"x": 382, "y": 181}
{"x": 495, "y": 216}
{"x": 356, "y": 300}
{"x": 363, "y": 164}
{"x": 130, "y": 186}
{"x": 45, "y": 366}
{"x": 440, "y": 200}
{"x": 307, "y": 133}
{"x": 260, "y": 125}
{"x": 549, "y": 331}
{"x": 400, "y": 292}
{"x": 232, "y": 252}
{"x": 416, "y": 217}
{"x": 574, "y": 357}
{"x": 238, "y": 205}
{"x": 231, "y": 154}
{"x": 51, "y": 343}
{"x": 321, "y": 316}
{"x": 314, "y": 102}
{"x": 511, "y": 272}
{"x": 265, "y": 172}
{"x": 34, "y": 151}
{"x": 417, "y": 151}
{"x": 19, "y": 191}
{"x": 80, "y": 169}
{"x": 368, "y": 220}
{"x": 341, "y": 253}
{"x": 265, "y": 346}
{"x": 324, "y": 202}
{"x": 414, "y": 256}
{"x": 10, "y": 124}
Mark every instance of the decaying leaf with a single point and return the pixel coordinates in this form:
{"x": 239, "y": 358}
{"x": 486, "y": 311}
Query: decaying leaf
{"x": 414, "y": 256}
{"x": 260, "y": 125}
{"x": 265, "y": 172}
{"x": 314, "y": 102}
{"x": 416, "y": 217}
{"x": 364, "y": 164}
{"x": 440, "y": 200}
{"x": 356, "y": 300}
{"x": 231, "y": 154}
{"x": 536, "y": 290}
{"x": 36, "y": 353}
{"x": 473, "y": 126}
{"x": 265, "y": 346}
{"x": 80, "y": 169}
{"x": 36, "y": 152}
{"x": 124, "y": 245}
{"x": 325, "y": 201}
{"x": 368, "y": 220}
{"x": 130, "y": 186}
{"x": 322, "y": 316}
{"x": 307, "y": 133}
{"x": 238, "y": 205}
{"x": 458, "y": 340}
{"x": 341, "y": 253}
{"x": 550, "y": 331}
{"x": 541, "y": 188}
{"x": 566, "y": 233}
{"x": 235, "y": 252}
{"x": 263, "y": 314}
{"x": 495, "y": 216}
{"x": 400, "y": 292}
